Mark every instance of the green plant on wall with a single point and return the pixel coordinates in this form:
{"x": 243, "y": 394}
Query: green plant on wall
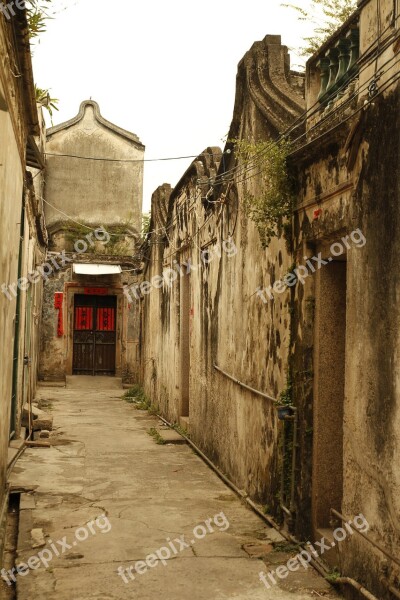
{"x": 44, "y": 99}
{"x": 145, "y": 224}
{"x": 122, "y": 238}
{"x": 272, "y": 204}
{"x": 117, "y": 246}
{"x": 286, "y": 397}
{"x": 326, "y": 16}
{"x": 37, "y": 15}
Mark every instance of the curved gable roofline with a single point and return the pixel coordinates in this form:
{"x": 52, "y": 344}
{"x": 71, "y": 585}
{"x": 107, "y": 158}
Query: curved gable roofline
{"x": 264, "y": 77}
{"x": 205, "y": 166}
{"x": 96, "y": 108}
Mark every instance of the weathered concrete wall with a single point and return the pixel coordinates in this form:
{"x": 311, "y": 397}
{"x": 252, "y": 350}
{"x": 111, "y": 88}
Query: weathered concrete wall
{"x": 52, "y": 353}
{"x": 18, "y": 118}
{"x": 372, "y": 412}
{"x": 224, "y": 317}
{"x": 33, "y": 252}
{"x": 11, "y": 189}
{"x": 82, "y": 196}
{"x": 347, "y": 168}
{"x": 105, "y": 192}
{"x": 368, "y": 458}
{"x": 56, "y": 352}
{"x": 335, "y": 334}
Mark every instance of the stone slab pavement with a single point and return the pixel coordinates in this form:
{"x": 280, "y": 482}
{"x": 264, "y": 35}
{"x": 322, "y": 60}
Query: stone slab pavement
{"x": 105, "y": 496}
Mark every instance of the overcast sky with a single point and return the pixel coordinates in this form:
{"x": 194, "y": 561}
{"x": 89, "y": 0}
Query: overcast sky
{"x": 164, "y": 70}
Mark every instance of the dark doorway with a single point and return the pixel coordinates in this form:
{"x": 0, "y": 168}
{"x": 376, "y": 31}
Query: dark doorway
{"x": 94, "y": 335}
{"x": 185, "y": 344}
{"x": 329, "y": 390}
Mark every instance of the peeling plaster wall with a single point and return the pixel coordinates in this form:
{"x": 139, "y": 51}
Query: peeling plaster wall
{"x": 351, "y": 174}
{"x": 52, "y": 354}
{"x": 17, "y": 107}
{"x": 229, "y": 324}
{"x": 230, "y": 327}
{"x": 56, "y": 351}
{"x": 95, "y": 192}
{"x": 347, "y": 168}
{"x": 371, "y": 420}
{"x": 31, "y": 297}
{"x": 11, "y": 192}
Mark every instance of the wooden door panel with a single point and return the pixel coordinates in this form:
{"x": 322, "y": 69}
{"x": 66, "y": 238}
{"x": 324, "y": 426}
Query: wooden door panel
{"x": 94, "y": 335}
{"x": 105, "y": 352}
{"x": 83, "y": 352}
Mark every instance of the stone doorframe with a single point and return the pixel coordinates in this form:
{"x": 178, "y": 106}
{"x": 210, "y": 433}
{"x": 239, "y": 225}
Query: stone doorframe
{"x": 71, "y": 289}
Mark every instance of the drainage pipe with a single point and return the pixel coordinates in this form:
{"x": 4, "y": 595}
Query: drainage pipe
{"x": 357, "y": 586}
{"x": 243, "y": 385}
{"x": 375, "y": 544}
{"x": 17, "y": 328}
{"x": 391, "y": 589}
{"x": 287, "y": 511}
{"x": 294, "y": 455}
{"x": 318, "y": 566}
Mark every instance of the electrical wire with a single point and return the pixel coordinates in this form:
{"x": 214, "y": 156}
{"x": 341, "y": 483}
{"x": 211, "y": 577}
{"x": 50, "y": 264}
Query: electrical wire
{"x": 164, "y": 230}
{"x": 387, "y": 84}
{"x": 182, "y": 208}
{"x": 176, "y": 250}
{"x": 259, "y": 155}
{"x": 131, "y": 160}
{"x": 68, "y": 216}
{"x": 307, "y": 114}
{"x": 159, "y": 230}
{"x": 240, "y": 171}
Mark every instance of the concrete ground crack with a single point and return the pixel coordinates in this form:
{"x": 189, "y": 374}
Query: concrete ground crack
{"x": 144, "y": 489}
{"x": 105, "y": 511}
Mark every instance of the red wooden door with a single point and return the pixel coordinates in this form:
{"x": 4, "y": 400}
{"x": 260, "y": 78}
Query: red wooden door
{"x": 94, "y": 335}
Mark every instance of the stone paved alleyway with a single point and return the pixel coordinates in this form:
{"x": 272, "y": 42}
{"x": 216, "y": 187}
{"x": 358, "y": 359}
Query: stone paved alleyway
{"x": 103, "y": 462}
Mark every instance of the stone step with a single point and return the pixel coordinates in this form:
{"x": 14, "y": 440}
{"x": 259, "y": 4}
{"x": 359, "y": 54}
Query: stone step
{"x": 170, "y": 436}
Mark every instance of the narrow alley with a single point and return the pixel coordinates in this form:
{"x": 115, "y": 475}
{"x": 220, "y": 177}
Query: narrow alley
{"x": 102, "y": 461}
{"x": 199, "y": 300}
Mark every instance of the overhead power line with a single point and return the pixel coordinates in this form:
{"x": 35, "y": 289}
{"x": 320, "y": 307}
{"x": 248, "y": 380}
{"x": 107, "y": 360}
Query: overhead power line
{"x": 134, "y": 160}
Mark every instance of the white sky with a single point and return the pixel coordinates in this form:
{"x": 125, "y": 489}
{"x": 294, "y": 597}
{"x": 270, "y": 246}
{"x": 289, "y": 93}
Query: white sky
{"x": 165, "y": 70}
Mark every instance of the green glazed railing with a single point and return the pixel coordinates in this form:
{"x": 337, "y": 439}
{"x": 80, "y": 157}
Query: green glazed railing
{"x": 339, "y": 65}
